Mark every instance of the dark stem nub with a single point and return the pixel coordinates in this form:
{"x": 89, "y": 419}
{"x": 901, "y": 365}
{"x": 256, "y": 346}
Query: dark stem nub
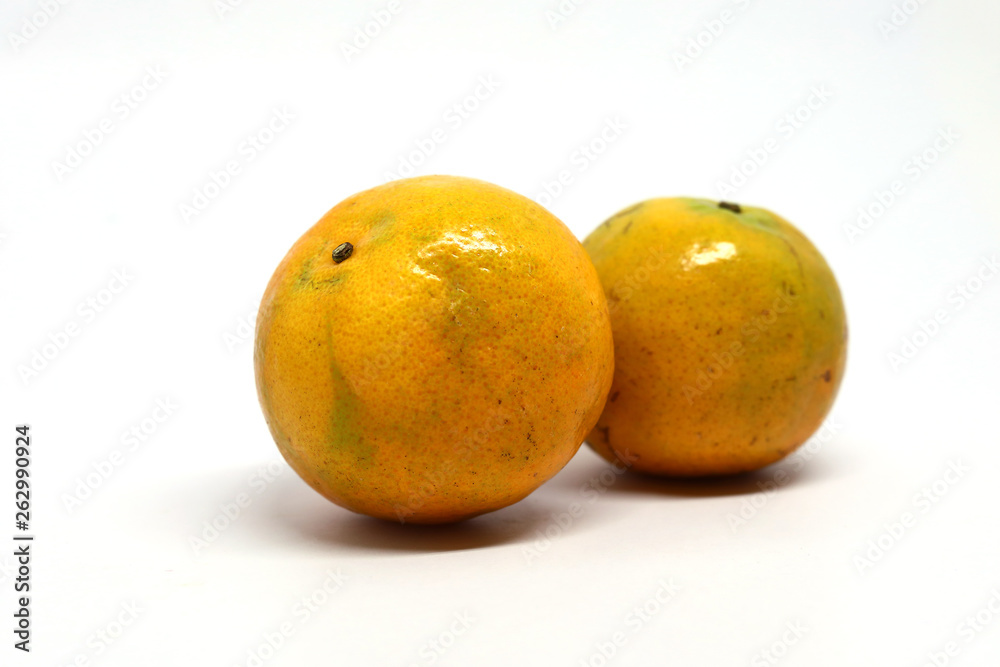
{"x": 342, "y": 252}
{"x": 735, "y": 208}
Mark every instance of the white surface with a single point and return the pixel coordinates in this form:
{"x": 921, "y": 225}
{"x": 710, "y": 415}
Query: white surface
{"x": 163, "y": 337}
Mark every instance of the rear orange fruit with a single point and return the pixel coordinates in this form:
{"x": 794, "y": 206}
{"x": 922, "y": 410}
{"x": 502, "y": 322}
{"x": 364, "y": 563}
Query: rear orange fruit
{"x": 730, "y": 337}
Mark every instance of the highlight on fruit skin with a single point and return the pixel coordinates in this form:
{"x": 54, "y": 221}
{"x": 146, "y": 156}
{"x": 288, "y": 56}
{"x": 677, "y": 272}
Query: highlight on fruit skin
{"x": 432, "y": 349}
{"x": 730, "y": 337}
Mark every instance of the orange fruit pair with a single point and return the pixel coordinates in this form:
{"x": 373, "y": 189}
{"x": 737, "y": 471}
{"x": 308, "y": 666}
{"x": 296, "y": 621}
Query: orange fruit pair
{"x": 438, "y": 347}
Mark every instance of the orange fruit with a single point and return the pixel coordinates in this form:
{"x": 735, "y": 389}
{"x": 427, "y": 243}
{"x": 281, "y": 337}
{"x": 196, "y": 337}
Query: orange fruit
{"x": 432, "y": 349}
{"x": 730, "y": 337}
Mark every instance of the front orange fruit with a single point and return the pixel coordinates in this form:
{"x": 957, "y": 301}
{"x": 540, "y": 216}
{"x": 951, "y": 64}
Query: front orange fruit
{"x": 432, "y": 349}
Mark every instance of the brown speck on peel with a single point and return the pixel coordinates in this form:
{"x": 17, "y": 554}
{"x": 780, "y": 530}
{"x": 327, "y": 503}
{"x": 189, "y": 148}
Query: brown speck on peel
{"x": 342, "y": 252}
{"x": 826, "y": 375}
{"x": 735, "y": 208}
{"x": 614, "y": 397}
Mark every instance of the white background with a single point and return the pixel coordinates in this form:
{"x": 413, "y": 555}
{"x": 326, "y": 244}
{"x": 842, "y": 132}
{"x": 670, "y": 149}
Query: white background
{"x": 177, "y": 330}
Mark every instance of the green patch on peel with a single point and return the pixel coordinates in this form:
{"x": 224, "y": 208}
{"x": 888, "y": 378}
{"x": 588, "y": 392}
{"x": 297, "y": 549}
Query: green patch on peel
{"x": 381, "y": 229}
{"x": 704, "y": 206}
{"x": 329, "y": 283}
{"x": 309, "y": 280}
{"x": 761, "y": 219}
{"x": 346, "y": 436}
{"x": 305, "y": 273}
{"x": 754, "y": 217}
{"x": 264, "y": 393}
{"x": 422, "y": 237}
